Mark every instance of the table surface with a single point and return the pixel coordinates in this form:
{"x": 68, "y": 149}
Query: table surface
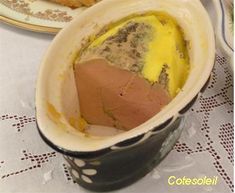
{"x": 27, "y": 164}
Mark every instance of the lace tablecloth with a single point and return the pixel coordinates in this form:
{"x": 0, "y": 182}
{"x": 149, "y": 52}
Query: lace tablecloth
{"x": 28, "y": 165}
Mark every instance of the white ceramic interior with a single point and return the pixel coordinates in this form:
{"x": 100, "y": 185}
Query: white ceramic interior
{"x": 56, "y": 86}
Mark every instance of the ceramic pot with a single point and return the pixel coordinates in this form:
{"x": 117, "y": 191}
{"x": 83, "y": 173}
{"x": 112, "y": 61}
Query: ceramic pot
{"x": 111, "y": 162}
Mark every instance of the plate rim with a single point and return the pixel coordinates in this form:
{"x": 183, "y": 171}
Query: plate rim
{"x": 30, "y": 27}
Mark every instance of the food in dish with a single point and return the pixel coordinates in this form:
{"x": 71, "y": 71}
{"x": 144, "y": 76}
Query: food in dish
{"x": 132, "y": 69}
{"x": 76, "y": 3}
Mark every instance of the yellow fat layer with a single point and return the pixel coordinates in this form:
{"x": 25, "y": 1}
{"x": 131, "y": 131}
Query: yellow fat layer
{"x": 113, "y": 29}
{"x": 166, "y": 47}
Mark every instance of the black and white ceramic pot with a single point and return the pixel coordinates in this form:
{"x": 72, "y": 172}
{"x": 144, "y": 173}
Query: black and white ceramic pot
{"x": 111, "y": 162}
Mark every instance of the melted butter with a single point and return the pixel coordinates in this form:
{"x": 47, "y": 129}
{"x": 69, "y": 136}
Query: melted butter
{"x": 166, "y": 49}
{"x": 78, "y": 123}
{"x": 82, "y": 124}
{"x": 54, "y": 115}
{"x": 52, "y": 112}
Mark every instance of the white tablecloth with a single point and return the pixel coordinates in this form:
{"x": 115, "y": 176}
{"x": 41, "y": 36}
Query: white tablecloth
{"x": 28, "y": 165}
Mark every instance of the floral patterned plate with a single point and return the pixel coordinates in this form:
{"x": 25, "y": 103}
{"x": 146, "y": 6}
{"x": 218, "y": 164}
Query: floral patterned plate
{"x": 222, "y": 17}
{"x": 37, "y": 15}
